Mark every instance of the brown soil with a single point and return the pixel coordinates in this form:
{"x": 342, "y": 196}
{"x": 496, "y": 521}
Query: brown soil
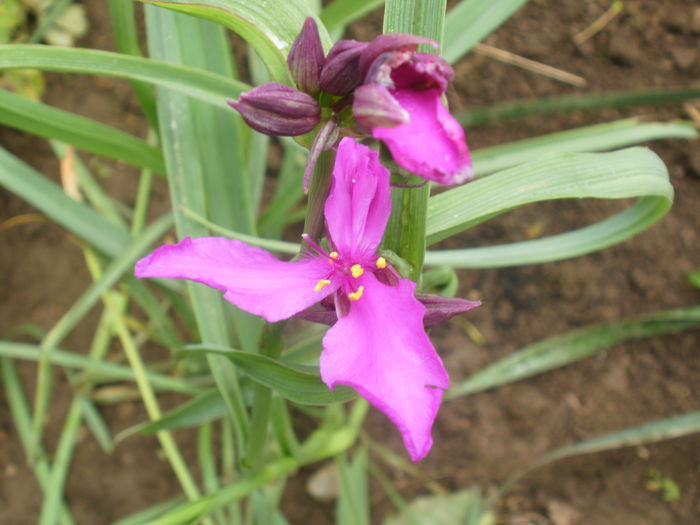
{"x": 483, "y": 439}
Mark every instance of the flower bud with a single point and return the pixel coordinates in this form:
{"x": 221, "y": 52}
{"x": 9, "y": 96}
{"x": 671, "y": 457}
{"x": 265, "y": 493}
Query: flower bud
{"x": 277, "y": 109}
{"x": 305, "y": 59}
{"x": 341, "y": 72}
{"x": 388, "y": 43}
{"x": 375, "y": 106}
{"x": 439, "y": 308}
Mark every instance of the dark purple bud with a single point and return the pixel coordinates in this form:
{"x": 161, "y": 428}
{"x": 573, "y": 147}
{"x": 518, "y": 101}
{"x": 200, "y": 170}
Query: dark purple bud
{"x": 375, "y": 106}
{"x": 278, "y": 110}
{"x": 387, "y": 43}
{"x": 341, "y": 73}
{"x": 305, "y": 59}
{"x": 439, "y": 309}
{"x": 318, "y": 315}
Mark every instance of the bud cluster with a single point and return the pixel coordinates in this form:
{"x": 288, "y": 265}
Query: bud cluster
{"x": 367, "y": 89}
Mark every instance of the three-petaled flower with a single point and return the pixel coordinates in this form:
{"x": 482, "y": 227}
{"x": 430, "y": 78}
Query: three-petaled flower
{"x": 378, "y": 344}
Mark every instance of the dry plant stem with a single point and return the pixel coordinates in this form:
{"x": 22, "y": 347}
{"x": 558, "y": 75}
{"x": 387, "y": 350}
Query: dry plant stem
{"x": 599, "y": 23}
{"x": 693, "y": 110}
{"x": 529, "y": 65}
{"x": 18, "y": 220}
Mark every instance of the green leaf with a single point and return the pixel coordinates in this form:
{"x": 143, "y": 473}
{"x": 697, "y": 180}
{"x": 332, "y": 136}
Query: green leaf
{"x": 123, "y": 17}
{"x": 464, "y": 507}
{"x": 565, "y": 104}
{"x": 108, "y": 371}
{"x": 353, "y": 506}
{"x": 150, "y": 513}
{"x": 600, "y": 137}
{"x": 21, "y": 416}
{"x": 659, "y": 430}
{"x": 168, "y": 34}
{"x": 570, "y": 347}
{"x": 270, "y": 27}
{"x": 694, "y": 278}
{"x": 49, "y": 199}
{"x": 207, "y": 406}
{"x": 339, "y": 13}
{"x": 634, "y": 172}
{"x": 86, "y": 134}
{"x": 471, "y": 21}
{"x": 211, "y": 88}
{"x": 295, "y": 383}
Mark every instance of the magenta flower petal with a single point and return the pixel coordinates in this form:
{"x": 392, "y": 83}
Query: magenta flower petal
{"x": 359, "y": 202}
{"x": 381, "y": 350}
{"x": 252, "y": 278}
{"x": 432, "y": 143}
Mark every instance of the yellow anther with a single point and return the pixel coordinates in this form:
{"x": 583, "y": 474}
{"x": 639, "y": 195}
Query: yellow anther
{"x": 356, "y": 270}
{"x": 354, "y": 296}
{"x": 321, "y": 284}
{"x": 381, "y": 263}
{"x": 333, "y": 255}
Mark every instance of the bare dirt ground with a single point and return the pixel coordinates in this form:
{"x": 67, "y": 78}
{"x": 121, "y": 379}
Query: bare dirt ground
{"x": 482, "y": 439}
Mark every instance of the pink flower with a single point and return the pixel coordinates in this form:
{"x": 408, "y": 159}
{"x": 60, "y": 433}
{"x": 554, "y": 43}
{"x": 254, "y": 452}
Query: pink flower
{"x": 400, "y": 102}
{"x": 378, "y": 345}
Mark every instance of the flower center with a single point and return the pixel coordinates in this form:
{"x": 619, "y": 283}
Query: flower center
{"x": 345, "y": 271}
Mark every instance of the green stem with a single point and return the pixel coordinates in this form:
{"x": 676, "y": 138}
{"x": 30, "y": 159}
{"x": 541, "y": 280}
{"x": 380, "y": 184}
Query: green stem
{"x": 318, "y": 191}
{"x": 405, "y": 233}
{"x": 143, "y": 197}
{"x": 149, "y": 399}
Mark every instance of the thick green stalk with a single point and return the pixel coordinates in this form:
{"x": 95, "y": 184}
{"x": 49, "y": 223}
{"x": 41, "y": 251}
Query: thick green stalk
{"x": 318, "y": 191}
{"x": 405, "y": 233}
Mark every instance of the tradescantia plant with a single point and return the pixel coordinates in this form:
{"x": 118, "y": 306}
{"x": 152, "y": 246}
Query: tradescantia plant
{"x": 359, "y": 267}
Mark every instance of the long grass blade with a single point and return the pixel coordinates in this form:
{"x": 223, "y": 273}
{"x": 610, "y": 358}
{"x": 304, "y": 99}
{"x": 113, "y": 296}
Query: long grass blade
{"x": 659, "y": 430}
{"x": 271, "y": 35}
{"x": 22, "y": 423}
{"x": 80, "y": 308}
{"x": 600, "y": 137}
{"x": 637, "y": 218}
{"x": 107, "y": 371}
{"x": 86, "y": 134}
{"x": 122, "y": 15}
{"x": 568, "y": 103}
{"x": 294, "y": 382}
{"x": 185, "y": 167}
{"x": 196, "y": 83}
{"x": 49, "y": 198}
{"x": 634, "y": 172}
{"x": 340, "y": 13}
{"x": 568, "y": 348}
